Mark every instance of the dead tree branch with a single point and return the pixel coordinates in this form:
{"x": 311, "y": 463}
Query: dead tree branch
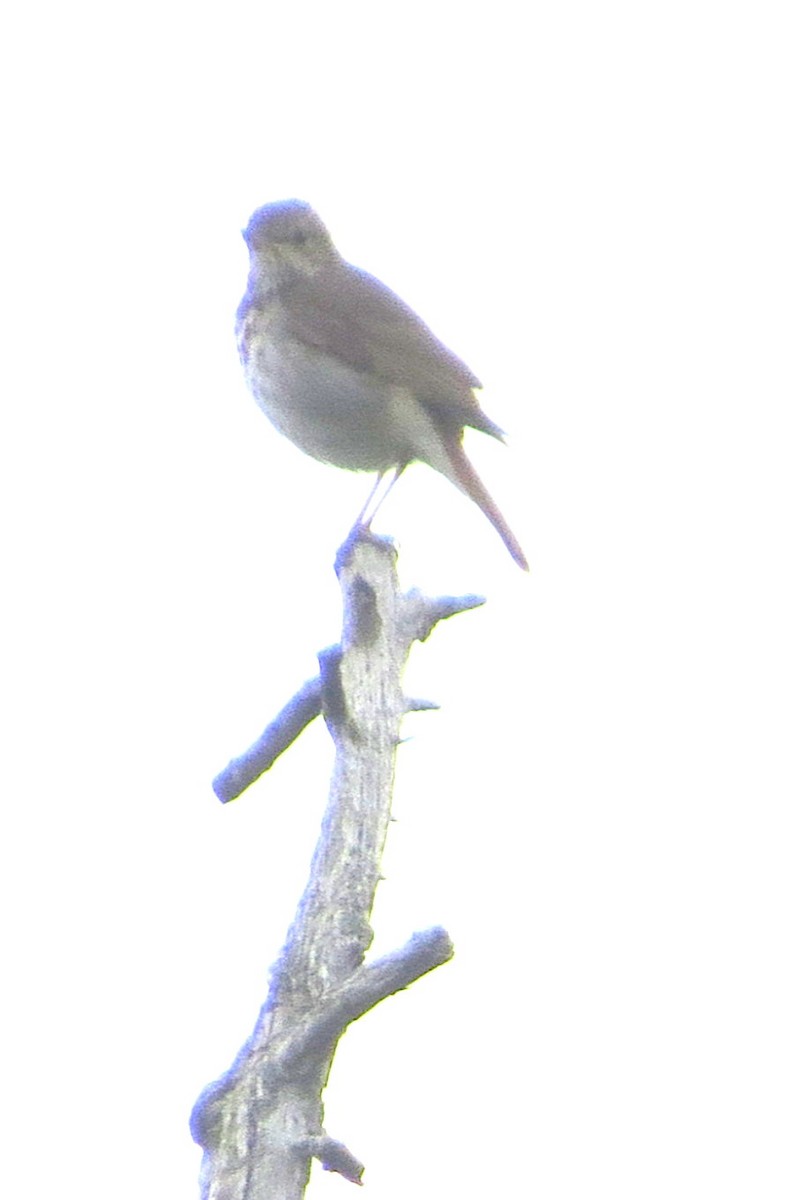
{"x": 421, "y": 613}
{"x": 293, "y": 718}
{"x": 261, "y": 1124}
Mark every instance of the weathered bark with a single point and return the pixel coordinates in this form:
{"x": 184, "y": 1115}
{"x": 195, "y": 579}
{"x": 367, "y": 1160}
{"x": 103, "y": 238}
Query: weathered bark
{"x": 263, "y": 1121}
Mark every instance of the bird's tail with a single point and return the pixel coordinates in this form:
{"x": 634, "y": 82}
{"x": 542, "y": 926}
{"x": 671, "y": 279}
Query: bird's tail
{"x": 467, "y": 480}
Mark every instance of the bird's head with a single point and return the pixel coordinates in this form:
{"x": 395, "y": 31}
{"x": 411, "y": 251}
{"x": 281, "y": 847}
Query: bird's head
{"x": 287, "y": 240}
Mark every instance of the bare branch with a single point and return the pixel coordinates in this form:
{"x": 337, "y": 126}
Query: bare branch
{"x": 262, "y": 1122}
{"x": 318, "y": 1033}
{"x": 335, "y": 1157}
{"x": 421, "y": 613}
{"x": 417, "y": 704}
{"x": 293, "y": 718}
{"x": 416, "y": 617}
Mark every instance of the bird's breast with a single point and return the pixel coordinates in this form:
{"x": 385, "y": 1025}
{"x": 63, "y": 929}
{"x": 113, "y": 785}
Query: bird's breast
{"x": 329, "y": 409}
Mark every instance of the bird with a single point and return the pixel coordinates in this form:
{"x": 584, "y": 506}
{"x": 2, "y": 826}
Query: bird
{"x": 345, "y": 369}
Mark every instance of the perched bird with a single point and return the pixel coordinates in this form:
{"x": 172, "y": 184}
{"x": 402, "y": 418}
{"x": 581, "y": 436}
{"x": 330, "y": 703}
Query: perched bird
{"x": 345, "y": 369}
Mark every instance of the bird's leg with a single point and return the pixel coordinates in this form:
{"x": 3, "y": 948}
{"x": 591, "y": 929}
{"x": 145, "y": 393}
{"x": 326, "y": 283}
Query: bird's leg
{"x": 369, "y": 508}
{"x": 378, "y": 495}
{"x": 360, "y": 520}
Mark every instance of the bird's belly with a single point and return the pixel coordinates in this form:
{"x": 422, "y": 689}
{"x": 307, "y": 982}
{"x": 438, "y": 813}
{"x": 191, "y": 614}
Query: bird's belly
{"x": 327, "y": 408}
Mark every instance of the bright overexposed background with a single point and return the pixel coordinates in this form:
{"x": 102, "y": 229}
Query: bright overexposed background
{"x": 597, "y": 206}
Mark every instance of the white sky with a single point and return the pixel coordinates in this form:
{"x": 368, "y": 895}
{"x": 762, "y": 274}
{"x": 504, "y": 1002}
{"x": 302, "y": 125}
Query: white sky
{"x": 597, "y": 206}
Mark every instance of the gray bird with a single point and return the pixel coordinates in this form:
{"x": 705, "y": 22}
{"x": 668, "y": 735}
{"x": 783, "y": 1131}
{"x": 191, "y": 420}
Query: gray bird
{"x": 346, "y": 370}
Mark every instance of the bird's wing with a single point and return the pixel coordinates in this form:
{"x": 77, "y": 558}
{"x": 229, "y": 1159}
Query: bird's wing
{"x": 347, "y": 313}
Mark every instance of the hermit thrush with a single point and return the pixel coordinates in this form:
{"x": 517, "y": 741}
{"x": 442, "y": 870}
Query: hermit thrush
{"x": 345, "y": 369}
